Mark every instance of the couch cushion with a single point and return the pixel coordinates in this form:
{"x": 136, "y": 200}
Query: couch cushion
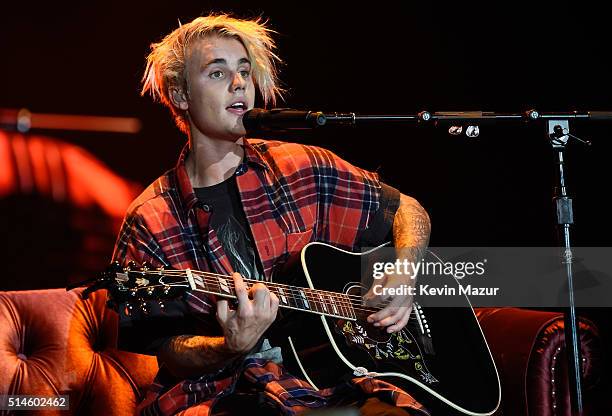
{"x": 52, "y": 342}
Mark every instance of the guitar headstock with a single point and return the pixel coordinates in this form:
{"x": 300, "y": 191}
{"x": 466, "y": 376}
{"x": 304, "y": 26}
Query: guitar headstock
{"x": 134, "y": 285}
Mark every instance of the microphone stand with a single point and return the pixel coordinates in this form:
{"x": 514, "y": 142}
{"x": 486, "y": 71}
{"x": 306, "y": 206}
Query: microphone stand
{"x": 558, "y": 135}
{"x": 559, "y": 138}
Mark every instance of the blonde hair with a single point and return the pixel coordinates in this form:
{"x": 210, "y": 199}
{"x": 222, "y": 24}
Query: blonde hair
{"x": 166, "y": 62}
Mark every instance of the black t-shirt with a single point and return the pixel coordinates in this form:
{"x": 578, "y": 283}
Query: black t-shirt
{"x": 229, "y": 222}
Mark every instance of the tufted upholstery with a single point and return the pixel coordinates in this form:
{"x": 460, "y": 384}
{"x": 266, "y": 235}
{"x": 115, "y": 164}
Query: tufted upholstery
{"x": 533, "y": 342}
{"x": 52, "y": 342}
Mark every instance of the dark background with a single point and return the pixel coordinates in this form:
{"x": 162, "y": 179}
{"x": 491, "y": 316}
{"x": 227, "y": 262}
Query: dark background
{"x": 383, "y": 57}
{"x": 376, "y": 57}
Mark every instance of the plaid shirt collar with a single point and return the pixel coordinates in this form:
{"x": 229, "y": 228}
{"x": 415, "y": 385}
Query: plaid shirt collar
{"x": 252, "y": 157}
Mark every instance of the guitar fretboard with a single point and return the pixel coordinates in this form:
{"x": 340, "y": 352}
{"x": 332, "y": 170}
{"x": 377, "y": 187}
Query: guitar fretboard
{"x": 331, "y": 304}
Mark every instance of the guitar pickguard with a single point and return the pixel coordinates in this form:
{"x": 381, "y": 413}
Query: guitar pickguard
{"x": 381, "y": 346}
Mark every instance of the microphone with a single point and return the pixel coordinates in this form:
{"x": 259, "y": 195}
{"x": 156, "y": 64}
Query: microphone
{"x": 281, "y": 119}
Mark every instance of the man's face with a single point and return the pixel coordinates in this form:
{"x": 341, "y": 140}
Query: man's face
{"x": 220, "y": 87}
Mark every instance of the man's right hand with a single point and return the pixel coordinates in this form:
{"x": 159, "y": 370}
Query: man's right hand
{"x": 256, "y": 311}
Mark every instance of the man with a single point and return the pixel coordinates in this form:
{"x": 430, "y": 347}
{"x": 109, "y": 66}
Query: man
{"x": 247, "y": 206}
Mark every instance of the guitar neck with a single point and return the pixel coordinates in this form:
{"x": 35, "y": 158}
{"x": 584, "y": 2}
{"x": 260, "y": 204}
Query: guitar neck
{"x": 332, "y": 304}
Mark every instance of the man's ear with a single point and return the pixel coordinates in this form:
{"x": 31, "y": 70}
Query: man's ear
{"x": 178, "y": 98}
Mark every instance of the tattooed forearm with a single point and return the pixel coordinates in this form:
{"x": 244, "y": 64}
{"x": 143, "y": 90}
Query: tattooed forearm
{"x": 411, "y": 229}
{"x": 188, "y": 356}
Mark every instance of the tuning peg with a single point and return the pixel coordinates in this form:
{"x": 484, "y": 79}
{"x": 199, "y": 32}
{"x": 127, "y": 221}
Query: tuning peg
{"x": 128, "y": 309}
{"x": 145, "y": 266}
{"x": 144, "y": 307}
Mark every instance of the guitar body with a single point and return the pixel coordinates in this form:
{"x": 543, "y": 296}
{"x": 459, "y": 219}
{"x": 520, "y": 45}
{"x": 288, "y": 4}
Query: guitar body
{"x": 441, "y": 355}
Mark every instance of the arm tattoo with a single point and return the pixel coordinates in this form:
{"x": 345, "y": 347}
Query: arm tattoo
{"x": 411, "y": 229}
{"x": 191, "y": 356}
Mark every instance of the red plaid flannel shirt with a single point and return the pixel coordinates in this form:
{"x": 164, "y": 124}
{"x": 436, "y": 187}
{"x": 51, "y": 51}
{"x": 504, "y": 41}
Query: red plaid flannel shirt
{"x": 292, "y": 194}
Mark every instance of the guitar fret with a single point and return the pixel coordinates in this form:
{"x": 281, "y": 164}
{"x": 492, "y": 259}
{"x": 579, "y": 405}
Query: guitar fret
{"x": 292, "y": 299}
{"x": 200, "y": 281}
{"x": 303, "y": 299}
{"x": 282, "y": 296}
{"x": 315, "y": 299}
{"x": 223, "y": 285}
{"x": 343, "y": 304}
{"x": 331, "y": 300}
{"x": 352, "y": 309}
{"x": 348, "y": 306}
{"x": 195, "y": 280}
{"x": 323, "y": 302}
{"x": 311, "y": 300}
{"x": 340, "y": 305}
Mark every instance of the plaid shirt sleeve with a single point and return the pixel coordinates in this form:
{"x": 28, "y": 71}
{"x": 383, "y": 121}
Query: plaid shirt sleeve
{"x": 136, "y": 243}
{"x": 348, "y": 199}
{"x": 381, "y": 226}
{"x": 137, "y": 333}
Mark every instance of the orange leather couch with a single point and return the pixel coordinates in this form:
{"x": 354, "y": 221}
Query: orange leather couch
{"x": 52, "y": 342}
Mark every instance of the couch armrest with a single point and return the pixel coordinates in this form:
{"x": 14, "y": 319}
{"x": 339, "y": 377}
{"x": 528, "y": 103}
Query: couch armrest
{"x": 529, "y": 351}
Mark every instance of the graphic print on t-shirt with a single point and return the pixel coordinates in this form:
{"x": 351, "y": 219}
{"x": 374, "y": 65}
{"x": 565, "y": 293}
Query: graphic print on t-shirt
{"x": 228, "y": 220}
{"x": 239, "y": 248}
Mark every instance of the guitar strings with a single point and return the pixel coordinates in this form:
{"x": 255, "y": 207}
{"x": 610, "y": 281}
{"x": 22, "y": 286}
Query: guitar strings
{"x": 339, "y": 297}
{"x": 410, "y": 318}
{"x": 308, "y": 291}
{"x": 182, "y": 274}
{"x": 344, "y": 303}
